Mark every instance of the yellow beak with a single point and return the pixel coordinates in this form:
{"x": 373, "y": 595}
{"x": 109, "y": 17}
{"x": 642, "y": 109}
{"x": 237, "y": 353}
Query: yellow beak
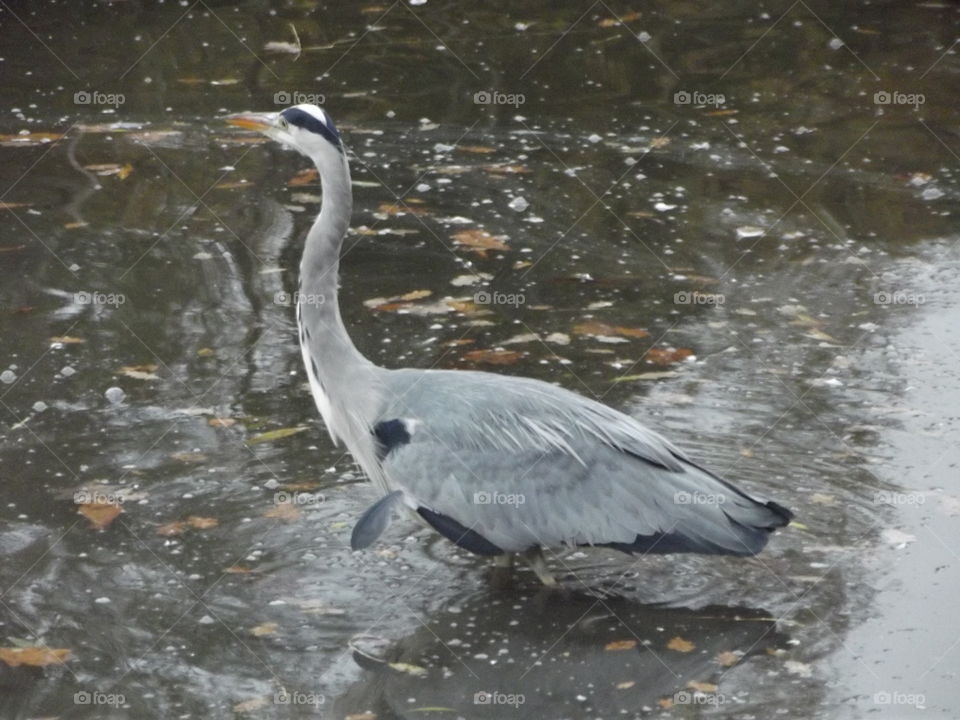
{"x": 249, "y": 121}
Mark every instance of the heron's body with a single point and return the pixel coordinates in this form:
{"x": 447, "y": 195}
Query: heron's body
{"x": 496, "y": 464}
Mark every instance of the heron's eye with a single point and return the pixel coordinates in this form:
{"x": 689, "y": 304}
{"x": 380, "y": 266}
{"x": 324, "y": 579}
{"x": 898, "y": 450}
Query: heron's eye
{"x": 283, "y": 123}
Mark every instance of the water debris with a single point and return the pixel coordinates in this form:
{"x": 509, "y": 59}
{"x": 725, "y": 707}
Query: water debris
{"x": 479, "y": 241}
{"x": 472, "y": 279}
{"x": 278, "y": 434}
{"x": 800, "y": 669}
{"x": 749, "y": 231}
{"x": 267, "y": 628}
{"x": 667, "y": 356}
{"x": 7, "y": 377}
{"x": 493, "y": 357}
{"x": 34, "y": 656}
{"x": 604, "y": 333}
{"x": 519, "y": 204}
{"x": 558, "y": 338}
{"x": 114, "y": 395}
{"x": 680, "y": 645}
{"x": 100, "y": 514}
{"x": 140, "y": 372}
{"x": 618, "y": 645}
{"x": 286, "y": 511}
{"x": 294, "y": 48}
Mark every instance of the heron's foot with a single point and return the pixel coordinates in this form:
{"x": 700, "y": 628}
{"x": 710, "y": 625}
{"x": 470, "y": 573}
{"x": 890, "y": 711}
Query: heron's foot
{"x": 534, "y": 558}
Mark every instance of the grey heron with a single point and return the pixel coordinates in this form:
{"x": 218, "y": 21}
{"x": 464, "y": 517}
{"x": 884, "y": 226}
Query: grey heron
{"x": 499, "y": 465}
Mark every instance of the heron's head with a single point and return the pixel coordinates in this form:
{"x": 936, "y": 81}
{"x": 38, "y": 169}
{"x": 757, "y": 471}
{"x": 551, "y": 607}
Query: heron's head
{"x": 305, "y": 127}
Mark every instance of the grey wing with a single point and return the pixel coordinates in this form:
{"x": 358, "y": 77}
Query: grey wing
{"x": 502, "y": 464}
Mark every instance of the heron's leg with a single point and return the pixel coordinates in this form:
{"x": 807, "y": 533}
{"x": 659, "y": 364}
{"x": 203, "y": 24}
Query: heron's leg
{"x": 504, "y": 560}
{"x": 537, "y": 563}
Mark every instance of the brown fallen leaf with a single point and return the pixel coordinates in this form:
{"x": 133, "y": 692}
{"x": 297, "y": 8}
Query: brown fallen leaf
{"x": 599, "y": 329}
{"x": 415, "y": 295}
{"x": 304, "y": 177}
{"x": 99, "y": 514}
{"x": 680, "y": 645}
{"x": 459, "y": 342}
{"x": 493, "y": 357}
{"x": 727, "y": 658}
{"x": 479, "y": 241}
{"x": 288, "y": 512}
{"x": 202, "y": 523}
{"x": 722, "y": 113}
{"x": 621, "y": 645}
{"x": 625, "y": 685}
{"x": 703, "y": 687}
{"x": 34, "y": 656}
{"x": 13, "y": 205}
{"x": 665, "y": 703}
{"x": 171, "y": 529}
{"x": 667, "y": 356}
{"x": 503, "y": 169}
{"x": 620, "y": 20}
{"x": 223, "y": 422}
{"x": 407, "y": 207}
{"x": 479, "y": 149}
{"x": 659, "y": 142}
{"x": 267, "y": 628}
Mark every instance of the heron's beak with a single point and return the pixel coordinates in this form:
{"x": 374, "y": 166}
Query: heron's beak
{"x": 261, "y": 122}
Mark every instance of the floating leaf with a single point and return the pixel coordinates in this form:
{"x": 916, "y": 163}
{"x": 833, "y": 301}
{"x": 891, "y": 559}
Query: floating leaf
{"x": 656, "y": 375}
{"x": 67, "y": 340}
{"x": 479, "y": 241}
{"x": 625, "y": 685}
{"x": 599, "y": 329}
{"x": 620, "y": 20}
{"x": 278, "y": 434}
{"x": 703, "y": 687}
{"x": 34, "y": 656}
{"x": 665, "y": 703}
{"x": 13, "y": 205}
{"x": 99, "y": 514}
{"x": 288, "y": 512}
{"x": 416, "y": 295}
{"x": 140, "y": 372}
{"x": 680, "y": 645}
{"x": 405, "y": 207}
{"x": 202, "y": 523}
{"x": 171, "y": 529}
{"x": 267, "y": 628}
{"x": 493, "y": 357}
{"x": 621, "y": 645}
{"x": 221, "y": 422}
{"x": 659, "y": 142}
{"x": 479, "y": 149}
{"x": 304, "y": 177}
{"x": 800, "y": 669}
{"x": 28, "y": 138}
{"x": 667, "y": 356}
{"x": 504, "y": 169}
{"x": 722, "y": 113}
{"x": 727, "y": 658}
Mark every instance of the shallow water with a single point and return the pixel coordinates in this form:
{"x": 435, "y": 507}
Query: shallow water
{"x": 797, "y": 237}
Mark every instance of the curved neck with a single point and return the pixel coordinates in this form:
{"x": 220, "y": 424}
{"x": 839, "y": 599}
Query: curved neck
{"x": 343, "y": 381}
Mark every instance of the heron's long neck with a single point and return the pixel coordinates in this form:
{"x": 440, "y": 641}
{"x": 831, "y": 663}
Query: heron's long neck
{"x": 344, "y": 376}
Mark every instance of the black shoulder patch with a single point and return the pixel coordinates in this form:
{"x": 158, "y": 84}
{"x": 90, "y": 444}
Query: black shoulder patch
{"x": 296, "y": 116}
{"x": 391, "y": 434}
{"x": 458, "y": 534}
